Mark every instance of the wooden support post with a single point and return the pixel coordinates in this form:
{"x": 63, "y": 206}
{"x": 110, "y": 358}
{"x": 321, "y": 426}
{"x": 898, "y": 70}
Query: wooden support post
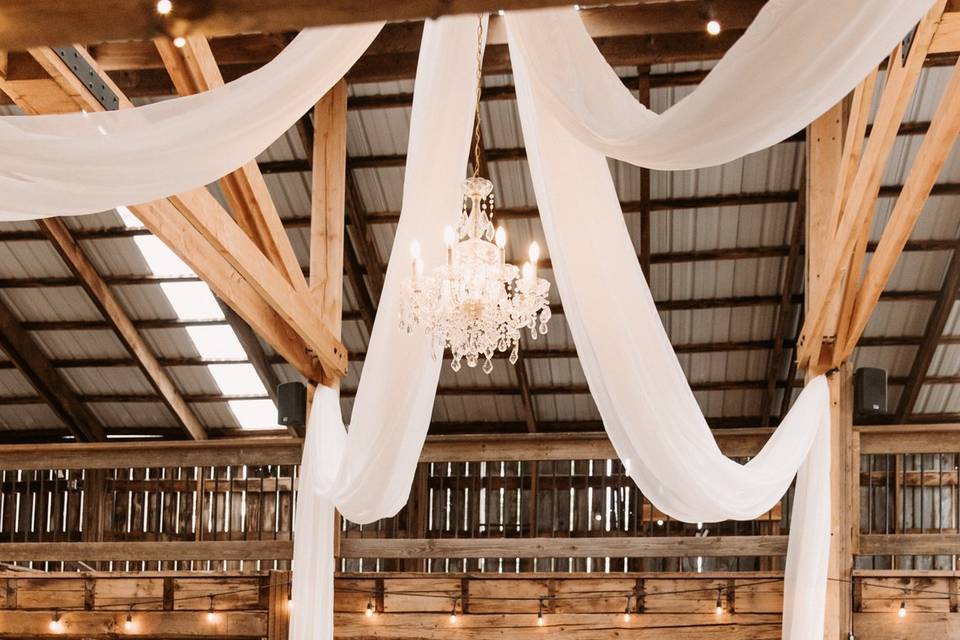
{"x": 824, "y": 152}
{"x": 278, "y": 611}
{"x": 328, "y": 208}
{"x": 824, "y": 145}
{"x": 327, "y": 216}
{"x": 842, "y": 520}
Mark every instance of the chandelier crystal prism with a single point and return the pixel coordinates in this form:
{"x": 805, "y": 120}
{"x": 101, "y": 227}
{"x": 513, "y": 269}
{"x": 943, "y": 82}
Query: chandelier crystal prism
{"x": 477, "y": 303}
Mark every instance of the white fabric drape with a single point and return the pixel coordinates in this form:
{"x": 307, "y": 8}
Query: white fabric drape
{"x": 55, "y": 165}
{"x": 797, "y": 59}
{"x": 367, "y": 472}
{"x": 648, "y": 409}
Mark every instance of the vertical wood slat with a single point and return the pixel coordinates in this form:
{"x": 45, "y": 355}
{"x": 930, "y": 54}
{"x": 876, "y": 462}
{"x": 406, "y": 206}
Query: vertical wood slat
{"x": 278, "y": 612}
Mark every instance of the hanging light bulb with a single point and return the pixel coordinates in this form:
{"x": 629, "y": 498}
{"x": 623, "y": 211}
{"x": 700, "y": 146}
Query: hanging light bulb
{"x": 211, "y": 614}
{"x": 902, "y": 611}
{"x": 55, "y": 625}
{"x": 164, "y": 7}
{"x": 179, "y": 42}
{"x": 626, "y": 611}
{"x": 290, "y": 601}
{"x": 659, "y": 522}
{"x": 719, "y": 602}
{"x": 128, "y": 623}
{"x": 369, "y": 611}
{"x": 453, "y": 612}
{"x": 713, "y": 27}
{"x": 540, "y": 613}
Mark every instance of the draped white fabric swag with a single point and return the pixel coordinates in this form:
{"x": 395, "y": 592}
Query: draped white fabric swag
{"x": 70, "y": 164}
{"x": 643, "y": 396}
{"x": 367, "y": 472}
{"x": 797, "y": 59}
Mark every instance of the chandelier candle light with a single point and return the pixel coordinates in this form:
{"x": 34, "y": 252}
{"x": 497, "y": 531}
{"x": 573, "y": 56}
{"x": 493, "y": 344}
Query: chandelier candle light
{"x": 477, "y": 303}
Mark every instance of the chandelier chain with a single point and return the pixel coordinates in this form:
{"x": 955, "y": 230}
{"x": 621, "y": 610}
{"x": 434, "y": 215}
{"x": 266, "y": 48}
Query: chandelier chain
{"x": 476, "y": 125}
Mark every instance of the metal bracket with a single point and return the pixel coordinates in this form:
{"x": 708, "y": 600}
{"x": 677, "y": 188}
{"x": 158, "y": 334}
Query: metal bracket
{"x": 89, "y": 77}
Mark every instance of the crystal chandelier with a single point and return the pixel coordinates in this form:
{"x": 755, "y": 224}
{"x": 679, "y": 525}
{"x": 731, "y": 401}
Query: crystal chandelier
{"x": 477, "y": 303}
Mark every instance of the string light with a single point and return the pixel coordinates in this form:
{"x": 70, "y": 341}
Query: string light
{"x": 55, "y": 625}
{"x": 719, "y": 602}
{"x": 211, "y": 614}
{"x": 164, "y": 7}
{"x": 453, "y": 612}
{"x": 128, "y": 623}
{"x": 713, "y": 27}
{"x": 540, "y": 613}
{"x": 179, "y": 42}
{"x": 626, "y": 611}
{"x": 902, "y": 611}
{"x": 369, "y": 611}
{"x": 659, "y": 522}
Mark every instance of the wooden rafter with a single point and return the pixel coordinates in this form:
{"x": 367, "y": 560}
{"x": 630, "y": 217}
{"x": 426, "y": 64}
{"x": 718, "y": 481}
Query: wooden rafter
{"x": 935, "y": 326}
{"x": 111, "y": 309}
{"x": 791, "y": 273}
{"x": 933, "y": 153}
{"x": 35, "y": 366}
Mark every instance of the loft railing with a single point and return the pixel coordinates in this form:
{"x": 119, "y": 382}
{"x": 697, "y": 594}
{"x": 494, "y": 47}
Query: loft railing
{"x": 524, "y": 503}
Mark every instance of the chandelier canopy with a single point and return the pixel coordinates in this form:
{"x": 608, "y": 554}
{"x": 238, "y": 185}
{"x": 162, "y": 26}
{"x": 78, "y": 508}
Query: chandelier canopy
{"x": 477, "y": 303}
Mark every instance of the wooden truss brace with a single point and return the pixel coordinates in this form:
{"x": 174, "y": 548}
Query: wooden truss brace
{"x": 853, "y": 197}
{"x": 196, "y": 227}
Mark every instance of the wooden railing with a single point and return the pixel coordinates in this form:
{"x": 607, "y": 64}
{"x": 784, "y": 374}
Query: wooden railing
{"x": 519, "y": 503}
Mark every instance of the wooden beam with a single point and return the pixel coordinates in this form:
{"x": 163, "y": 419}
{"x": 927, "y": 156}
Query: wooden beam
{"x": 900, "y": 82}
{"x": 909, "y": 544}
{"x": 934, "y": 329}
{"x": 103, "y": 625}
{"x": 328, "y": 202}
{"x": 193, "y": 69}
{"x": 48, "y": 22}
{"x": 147, "y": 551}
{"x": 633, "y": 547}
{"x": 823, "y": 165}
{"x": 643, "y": 95}
{"x": 111, "y": 309}
{"x": 924, "y": 170}
{"x": 52, "y": 387}
{"x": 791, "y": 273}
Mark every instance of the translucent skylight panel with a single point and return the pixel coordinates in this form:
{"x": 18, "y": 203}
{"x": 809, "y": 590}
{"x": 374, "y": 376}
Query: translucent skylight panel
{"x": 237, "y": 379}
{"x": 130, "y": 221}
{"x": 195, "y": 301}
{"x": 192, "y": 300}
{"x": 254, "y": 414}
{"x": 160, "y": 258}
{"x": 216, "y": 342}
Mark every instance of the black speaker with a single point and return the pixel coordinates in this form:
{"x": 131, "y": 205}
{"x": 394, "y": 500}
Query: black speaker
{"x": 869, "y": 391}
{"x": 292, "y": 404}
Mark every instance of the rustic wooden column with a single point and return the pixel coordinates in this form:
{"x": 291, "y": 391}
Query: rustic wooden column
{"x": 824, "y": 149}
{"x": 327, "y": 209}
